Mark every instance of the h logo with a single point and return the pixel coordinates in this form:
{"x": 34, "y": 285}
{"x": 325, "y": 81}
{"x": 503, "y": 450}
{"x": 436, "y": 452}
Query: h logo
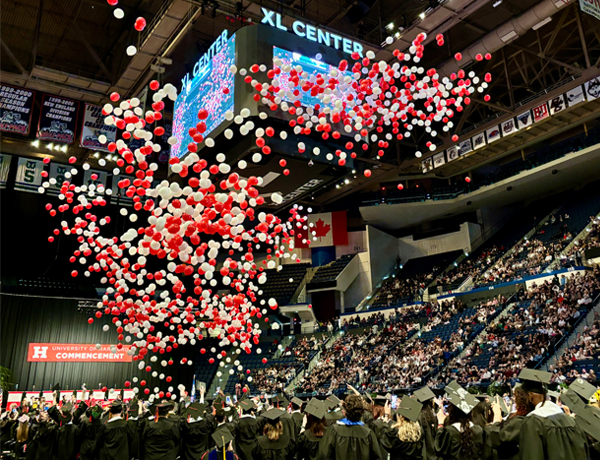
{"x": 40, "y": 352}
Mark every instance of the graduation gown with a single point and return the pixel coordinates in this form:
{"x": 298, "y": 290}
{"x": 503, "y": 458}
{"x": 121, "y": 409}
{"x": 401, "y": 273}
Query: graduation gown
{"x": 503, "y": 438}
{"x": 67, "y": 442}
{"x": 448, "y": 443}
{"x": 345, "y": 442}
{"x": 297, "y": 418}
{"x": 307, "y": 447}
{"x": 160, "y": 440}
{"x": 332, "y": 417}
{"x": 549, "y": 434}
{"x": 400, "y": 450}
{"x": 134, "y": 433}
{"x": 196, "y": 437}
{"x": 245, "y": 437}
{"x": 282, "y": 449}
{"x": 216, "y": 454}
{"x": 113, "y": 440}
{"x": 87, "y": 435}
{"x": 42, "y": 444}
{"x": 594, "y": 444}
{"x": 429, "y": 431}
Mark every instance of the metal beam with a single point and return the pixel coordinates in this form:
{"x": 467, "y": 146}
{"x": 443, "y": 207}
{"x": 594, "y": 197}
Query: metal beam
{"x": 86, "y": 43}
{"x": 36, "y": 38}
{"x": 558, "y": 27}
{"x": 12, "y": 57}
{"x": 546, "y": 58}
{"x": 491, "y": 105}
{"x": 582, "y": 38}
{"x": 508, "y": 83}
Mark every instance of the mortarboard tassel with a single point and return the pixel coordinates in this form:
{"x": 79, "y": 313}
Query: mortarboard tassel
{"x": 156, "y": 416}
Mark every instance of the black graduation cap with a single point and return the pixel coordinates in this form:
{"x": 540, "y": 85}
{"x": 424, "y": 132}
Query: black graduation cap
{"x": 222, "y": 438}
{"x": 316, "y": 408}
{"x": 482, "y": 397}
{"x": 454, "y": 385}
{"x": 409, "y": 408}
{"x": 583, "y": 388}
{"x": 461, "y": 399}
{"x": 554, "y": 394}
{"x": 297, "y": 401}
{"x": 56, "y": 387}
{"x": 195, "y": 410}
{"x": 219, "y": 400}
{"x": 332, "y": 401}
{"x": 424, "y": 394}
{"x": 380, "y": 400}
{"x": 534, "y": 381}
{"x": 503, "y": 406}
{"x": 163, "y": 408}
{"x": 283, "y": 402}
{"x": 67, "y": 408}
{"x": 247, "y": 405}
{"x": 589, "y": 417}
{"x": 273, "y": 415}
{"x": 115, "y": 407}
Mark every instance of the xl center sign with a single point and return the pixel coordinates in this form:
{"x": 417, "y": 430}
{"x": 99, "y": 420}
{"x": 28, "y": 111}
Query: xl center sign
{"x": 313, "y": 33}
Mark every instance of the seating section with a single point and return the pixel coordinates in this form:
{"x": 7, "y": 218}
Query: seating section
{"x": 581, "y": 359}
{"x": 331, "y": 271}
{"x": 409, "y": 282}
{"x": 282, "y": 284}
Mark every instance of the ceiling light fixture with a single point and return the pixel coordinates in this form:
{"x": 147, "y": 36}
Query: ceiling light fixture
{"x": 497, "y": 3}
{"x": 50, "y": 146}
{"x": 390, "y": 26}
{"x": 36, "y": 143}
{"x": 542, "y": 23}
{"x": 422, "y": 15}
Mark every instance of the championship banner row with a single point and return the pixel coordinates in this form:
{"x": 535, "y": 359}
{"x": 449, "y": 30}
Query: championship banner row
{"x": 29, "y": 177}
{"x": 587, "y": 92}
{"x": 58, "y": 120}
{"x": 15, "y": 397}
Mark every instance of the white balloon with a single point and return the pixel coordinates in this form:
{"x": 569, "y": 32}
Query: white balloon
{"x": 131, "y": 50}
{"x": 119, "y": 13}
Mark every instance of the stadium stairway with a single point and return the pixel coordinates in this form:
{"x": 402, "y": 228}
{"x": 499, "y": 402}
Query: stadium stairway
{"x": 587, "y": 321}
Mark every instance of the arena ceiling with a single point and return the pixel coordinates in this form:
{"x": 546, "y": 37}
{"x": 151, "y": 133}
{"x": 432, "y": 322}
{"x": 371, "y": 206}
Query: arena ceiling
{"x": 76, "y": 48}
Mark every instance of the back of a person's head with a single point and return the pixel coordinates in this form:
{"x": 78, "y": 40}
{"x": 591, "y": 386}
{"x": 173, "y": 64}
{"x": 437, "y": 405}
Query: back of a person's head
{"x": 315, "y": 425}
{"x": 468, "y": 449}
{"x": 273, "y": 431}
{"x": 354, "y": 408}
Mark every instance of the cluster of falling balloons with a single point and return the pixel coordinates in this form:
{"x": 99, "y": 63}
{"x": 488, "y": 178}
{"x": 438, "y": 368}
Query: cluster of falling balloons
{"x": 215, "y": 213}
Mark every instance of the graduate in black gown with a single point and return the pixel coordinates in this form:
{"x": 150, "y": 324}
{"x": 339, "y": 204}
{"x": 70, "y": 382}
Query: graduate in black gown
{"x": 222, "y": 424}
{"x": 42, "y": 445}
{"x": 88, "y": 424}
{"x": 375, "y": 419}
{"x": 428, "y": 421}
{"x": 196, "y": 427}
{"x": 133, "y": 425}
{"x": 503, "y": 435}
{"x": 67, "y": 435}
{"x": 297, "y": 415}
{"x": 457, "y": 437}
{"x": 247, "y": 430}
{"x": 159, "y": 439}
{"x": 587, "y": 417}
{"x": 404, "y": 439}
{"x": 349, "y": 438}
{"x": 310, "y": 439}
{"x": 223, "y": 449}
{"x": 113, "y": 438}
{"x": 23, "y": 436}
{"x": 547, "y": 433}
{"x": 275, "y": 443}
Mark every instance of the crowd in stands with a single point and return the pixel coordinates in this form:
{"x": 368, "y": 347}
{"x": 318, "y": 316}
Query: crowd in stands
{"x": 395, "y": 290}
{"x": 527, "y": 335}
{"x": 472, "y": 266}
{"x": 585, "y": 349}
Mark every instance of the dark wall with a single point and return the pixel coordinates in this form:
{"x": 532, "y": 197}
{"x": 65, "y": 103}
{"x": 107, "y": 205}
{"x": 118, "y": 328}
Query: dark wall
{"x": 42, "y": 320}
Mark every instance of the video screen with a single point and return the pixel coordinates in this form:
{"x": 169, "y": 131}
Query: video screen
{"x": 205, "y": 90}
{"x": 310, "y": 65}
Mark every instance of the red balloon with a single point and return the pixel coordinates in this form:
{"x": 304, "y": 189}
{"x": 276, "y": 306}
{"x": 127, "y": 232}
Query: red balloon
{"x": 455, "y": 138}
{"x": 367, "y": 173}
{"x": 202, "y": 114}
{"x": 115, "y": 96}
{"x": 467, "y": 179}
{"x": 140, "y": 23}
{"x": 112, "y": 2}
{"x": 458, "y": 56}
{"x": 264, "y": 360}
{"x": 72, "y": 160}
{"x": 400, "y": 187}
{"x": 154, "y": 85}
{"x": 74, "y": 273}
{"x": 90, "y": 320}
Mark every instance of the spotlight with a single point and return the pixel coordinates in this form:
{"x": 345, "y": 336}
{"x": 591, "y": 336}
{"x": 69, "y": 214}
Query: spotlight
{"x": 354, "y": 171}
{"x": 50, "y": 146}
{"x": 36, "y": 143}
{"x": 96, "y": 155}
{"x": 390, "y": 26}
{"x": 64, "y": 148}
{"x": 422, "y": 15}
{"x": 346, "y": 182}
{"x": 57, "y": 147}
{"x": 497, "y": 3}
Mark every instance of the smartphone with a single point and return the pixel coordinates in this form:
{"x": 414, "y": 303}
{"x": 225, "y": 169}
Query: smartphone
{"x": 394, "y": 401}
{"x": 235, "y": 398}
{"x": 228, "y": 400}
{"x": 218, "y": 390}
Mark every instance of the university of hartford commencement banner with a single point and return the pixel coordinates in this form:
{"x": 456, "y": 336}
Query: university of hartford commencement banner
{"x": 76, "y": 353}
{"x": 16, "y": 106}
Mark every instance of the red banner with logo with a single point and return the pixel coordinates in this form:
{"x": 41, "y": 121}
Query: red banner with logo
{"x": 76, "y": 353}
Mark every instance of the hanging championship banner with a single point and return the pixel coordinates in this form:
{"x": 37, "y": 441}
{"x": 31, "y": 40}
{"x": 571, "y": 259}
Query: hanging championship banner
{"x": 478, "y": 140}
{"x": 590, "y": 7}
{"x": 452, "y": 153}
{"x": 4, "y": 168}
{"x": 575, "y": 96}
{"x": 29, "y": 175}
{"x": 557, "y": 104}
{"x": 96, "y": 178}
{"x": 93, "y": 126}
{"x": 15, "y": 109}
{"x": 58, "y": 119}
{"x": 439, "y": 159}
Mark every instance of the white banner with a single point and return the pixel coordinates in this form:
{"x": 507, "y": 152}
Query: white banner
{"x": 29, "y": 175}
{"x": 93, "y": 126}
{"x": 591, "y": 7}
